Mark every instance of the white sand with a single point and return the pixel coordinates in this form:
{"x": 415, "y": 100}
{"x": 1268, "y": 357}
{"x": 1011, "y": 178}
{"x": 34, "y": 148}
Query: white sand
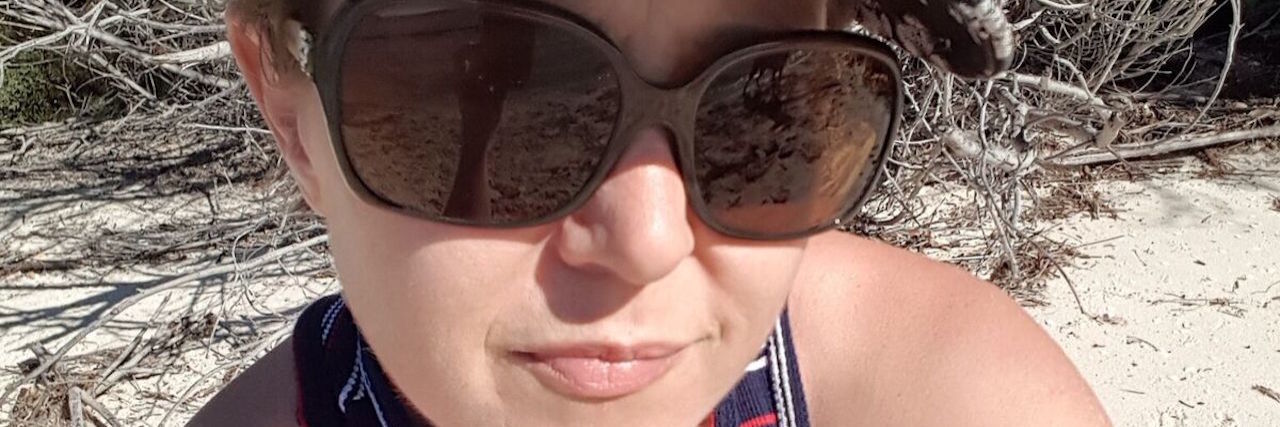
{"x": 48, "y": 307}
{"x": 1190, "y": 276}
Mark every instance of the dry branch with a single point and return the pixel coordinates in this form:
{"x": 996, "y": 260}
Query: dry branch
{"x": 1085, "y": 83}
{"x": 100, "y": 410}
{"x": 130, "y": 43}
{"x": 1062, "y": 88}
{"x": 214, "y": 52}
{"x": 1180, "y": 143}
{"x": 75, "y": 406}
{"x": 967, "y": 145}
{"x": 124, "y": 304}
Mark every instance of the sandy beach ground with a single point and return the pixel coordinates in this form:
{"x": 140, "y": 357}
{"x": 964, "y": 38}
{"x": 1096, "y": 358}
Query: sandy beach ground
{"x": 1181, "y": 291}
{"x": 1183, "y": 295}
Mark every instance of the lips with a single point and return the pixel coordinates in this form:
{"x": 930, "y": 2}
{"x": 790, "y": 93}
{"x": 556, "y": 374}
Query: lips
{"x": 600, "y": 371}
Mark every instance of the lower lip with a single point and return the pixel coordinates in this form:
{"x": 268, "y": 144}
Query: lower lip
{"x": 592, "y": 378}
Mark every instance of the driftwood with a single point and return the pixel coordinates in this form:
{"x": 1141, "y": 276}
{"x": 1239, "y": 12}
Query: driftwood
{"x": 75, "y": 407}
{"x": 967, "y": 145}
{"x": 1048, "y": 84}
{"x": 101, "y": 410}
{"x": 1163, "y": 147}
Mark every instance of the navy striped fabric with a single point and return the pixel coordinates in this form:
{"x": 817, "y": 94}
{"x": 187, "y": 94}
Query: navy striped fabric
{"x": 341, "y": 384}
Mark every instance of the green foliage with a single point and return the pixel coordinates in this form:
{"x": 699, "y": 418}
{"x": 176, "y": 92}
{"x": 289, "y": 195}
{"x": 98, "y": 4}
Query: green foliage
{"x": 41, "y": 87}
{"x": 29, "y": 94}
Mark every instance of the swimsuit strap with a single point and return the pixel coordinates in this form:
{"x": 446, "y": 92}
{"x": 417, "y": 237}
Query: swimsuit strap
{"x": 770, "y": 393}
{"x": 341, "y": 384}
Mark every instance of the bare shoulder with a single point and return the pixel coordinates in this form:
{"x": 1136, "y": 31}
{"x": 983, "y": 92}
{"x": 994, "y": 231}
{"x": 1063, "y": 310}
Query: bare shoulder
{"x": 889, "y": 337}
{"x": 265, "y": 395}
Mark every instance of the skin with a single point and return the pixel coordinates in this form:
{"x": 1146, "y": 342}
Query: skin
{"x": 884, "y": 336}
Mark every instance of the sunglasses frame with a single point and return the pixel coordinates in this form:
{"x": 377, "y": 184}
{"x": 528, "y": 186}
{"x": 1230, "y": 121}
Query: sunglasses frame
{"x": 642, "y": 104}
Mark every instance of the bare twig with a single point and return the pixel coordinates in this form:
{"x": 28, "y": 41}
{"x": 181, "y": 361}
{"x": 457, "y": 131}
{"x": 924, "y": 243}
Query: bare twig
{"x": 100, "y": 409}
{"x": 1236, "y": 23}
{"x": 162, "y": 287}
{"x": 214, "y": 52}
{"x": 1269, "y": 393}
{"x": 75, "y": 407}
{"x": 1058, "y": 87}
{"x": 966, "y": 145}
{"x": 1180, "y": 143}
{"x": 260, "y": 347}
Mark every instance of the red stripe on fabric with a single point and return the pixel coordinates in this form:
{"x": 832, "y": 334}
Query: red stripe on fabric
{"x": 709, "y": 422}
{"x": 300, "y": 414}
{"x": 761, "y": 421}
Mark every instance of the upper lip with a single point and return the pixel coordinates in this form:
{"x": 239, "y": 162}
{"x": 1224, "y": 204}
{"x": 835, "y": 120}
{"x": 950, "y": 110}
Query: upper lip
{"x": 606, "y": 351}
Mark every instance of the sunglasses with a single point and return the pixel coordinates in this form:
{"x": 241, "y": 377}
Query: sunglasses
{"x": 511, "y": 114}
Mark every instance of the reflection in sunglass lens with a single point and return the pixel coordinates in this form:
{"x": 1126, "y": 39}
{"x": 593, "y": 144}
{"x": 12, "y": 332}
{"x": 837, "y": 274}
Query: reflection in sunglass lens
{"x": 786, "y": 141}
{"x": 474, "y": 116}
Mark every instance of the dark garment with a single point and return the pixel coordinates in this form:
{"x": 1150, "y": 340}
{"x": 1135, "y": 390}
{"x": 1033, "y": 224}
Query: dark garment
{"x": 341, "y": 384}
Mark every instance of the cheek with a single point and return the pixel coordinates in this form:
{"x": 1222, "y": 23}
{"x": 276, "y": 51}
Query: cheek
{"x": 427, "y": 302}
{"x": 752, "y": 282}
{"x": 752, "y": 276}
{"x": 415, "y": 275}
{"x": 417, "y": 287}
{"x": 756, "y": 279}
{"x": 756, "y": 287}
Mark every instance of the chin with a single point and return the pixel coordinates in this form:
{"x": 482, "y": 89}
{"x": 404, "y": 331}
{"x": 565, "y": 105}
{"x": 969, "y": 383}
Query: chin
{"x": 612, "y": 414}
{"x": 517, "y": 397}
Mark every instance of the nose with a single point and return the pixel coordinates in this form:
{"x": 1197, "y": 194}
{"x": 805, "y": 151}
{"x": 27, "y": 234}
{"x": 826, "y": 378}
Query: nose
{"x": 636, "y": 225}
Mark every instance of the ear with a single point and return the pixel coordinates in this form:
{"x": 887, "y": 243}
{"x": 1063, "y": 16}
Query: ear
{"x": 281, "y": 97}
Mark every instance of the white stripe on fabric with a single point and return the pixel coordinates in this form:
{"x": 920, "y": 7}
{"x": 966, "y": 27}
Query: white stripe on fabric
{"x": 330, "y": 316}
{"x": 788, "y": 399}
{"x": 351, "y": 382}
{"x": 757, "y": 364}
{"x": 364, "y": 379}
{"x": 776, "y": 377}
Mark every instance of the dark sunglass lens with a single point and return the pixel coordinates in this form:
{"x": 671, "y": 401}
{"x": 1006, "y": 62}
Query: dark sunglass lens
{"x": 786, "y": 141}
{"x": 474, "y": 116}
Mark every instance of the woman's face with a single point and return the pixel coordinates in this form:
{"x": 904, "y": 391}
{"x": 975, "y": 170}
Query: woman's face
{"x": 539, "y": 326}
